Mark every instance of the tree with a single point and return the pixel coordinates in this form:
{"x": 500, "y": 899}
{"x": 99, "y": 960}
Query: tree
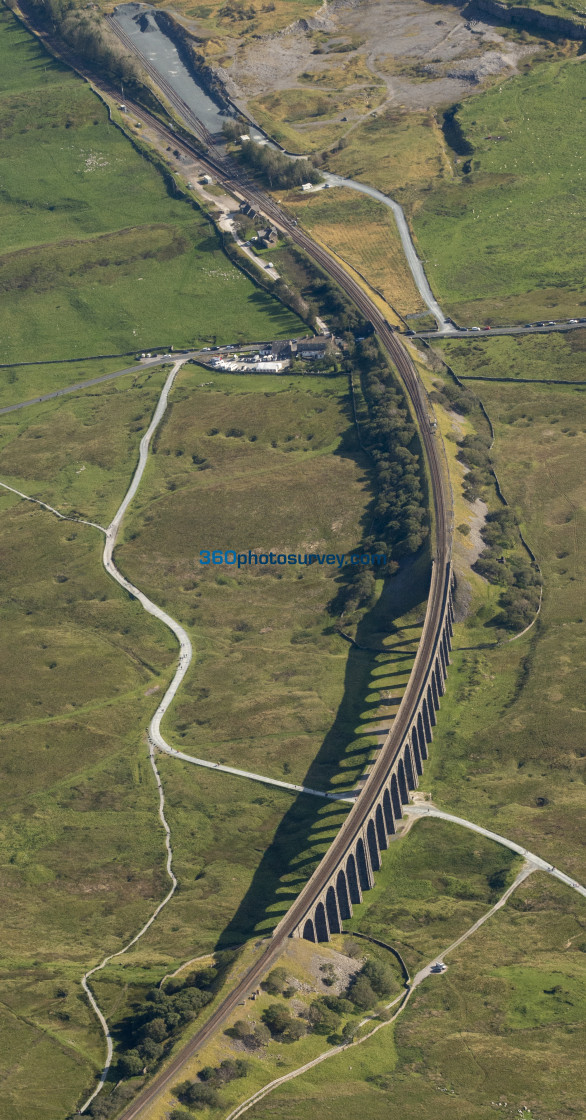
{"x": 197, "y": 1096}
{"x": 156, "y": 1029}
{"x": 294, "y": 1031}
{"x": 277, "y": 1017}
{"x": 322, "y": 1019}
{"x": 151, "y": 1050}
{"x": 380, "y": 976}
{"x": 362, "y": 994}
{"x": 276, "y": 981}
{"x": 130, "y": 1064}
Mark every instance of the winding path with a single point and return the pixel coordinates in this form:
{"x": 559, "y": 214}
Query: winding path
{"x": 402, "y": 1000}
{"x": 155, "y": 738}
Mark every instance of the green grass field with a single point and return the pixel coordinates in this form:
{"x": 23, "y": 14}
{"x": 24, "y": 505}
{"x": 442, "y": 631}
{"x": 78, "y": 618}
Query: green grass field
{"x": 503, "y": 242}
{"x": 77, "y": 775}
{"x": 507, "y": 749}
{"x": 500, "y": 1031}
{"x": 279, "y": 452}
{"x": 506, "y": 1021}
{"x": 95, "y": 256}
{"x": 552, "y": 357}
{"x": 26, "y": 382}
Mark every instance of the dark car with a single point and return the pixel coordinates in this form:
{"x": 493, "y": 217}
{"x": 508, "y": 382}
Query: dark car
{"x": 539, "y": 324}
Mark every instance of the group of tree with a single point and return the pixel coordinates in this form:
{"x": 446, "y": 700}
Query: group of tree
{"x": 454, "y": 396}
{"x": 89, "y": 36}
{"x": 519, "y": 579}
{"x": 203, "y": 1092}
{"x": 146, "y": 1033}
{"x": 374, "y": 981}
{"x": 282, "y": 1024}
{"x": 274, "y": 168}
{"x": 399, "y": 521}
{"x": 499, "y": 562}
{"x": 474, "y": 453}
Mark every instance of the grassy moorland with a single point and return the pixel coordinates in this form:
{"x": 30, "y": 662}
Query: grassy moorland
{"x": 27, "y": 382}
{"x": 507, "y": 748}
{"x": 397, "y": 152}
{"x": 77, "y": 776}
{"x": 552, "y": 357}
{"x": 502, "y": 242}
{"x": 77, "y": 453}
{"x": 92, "y": 246}
{"x": 82, "y": 864}
{"x": 500, "y": 1031}
{"x": 279, "y": 451}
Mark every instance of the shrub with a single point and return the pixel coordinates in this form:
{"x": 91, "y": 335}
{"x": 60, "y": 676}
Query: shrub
{"x": 276, "y": 981}
{"x": 362, "y": 993}
{"x": 380, "y": 977}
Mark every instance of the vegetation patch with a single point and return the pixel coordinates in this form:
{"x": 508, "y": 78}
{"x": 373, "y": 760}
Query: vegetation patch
{"x": 92, "y": 246}
{"x": 515, "y": 202}
{"x": 363, "y": 232}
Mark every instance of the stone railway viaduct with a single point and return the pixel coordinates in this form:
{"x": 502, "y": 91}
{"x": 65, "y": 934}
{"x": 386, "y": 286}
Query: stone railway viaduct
{"x": 354, "y": 869}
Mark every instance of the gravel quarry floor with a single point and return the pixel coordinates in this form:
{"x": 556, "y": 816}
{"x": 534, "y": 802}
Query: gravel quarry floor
{"x": 425, "y": 54}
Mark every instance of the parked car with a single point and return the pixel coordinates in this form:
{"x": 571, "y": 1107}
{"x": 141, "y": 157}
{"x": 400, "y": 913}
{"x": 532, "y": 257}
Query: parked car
{"x": 473, "y": 328}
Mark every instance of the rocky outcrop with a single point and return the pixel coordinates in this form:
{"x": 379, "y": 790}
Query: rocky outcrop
{"x": 530, "y": 18}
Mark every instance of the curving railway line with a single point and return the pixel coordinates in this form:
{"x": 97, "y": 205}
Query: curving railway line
{"x": 230, "y": 176}
{"x": 440, "y": 584}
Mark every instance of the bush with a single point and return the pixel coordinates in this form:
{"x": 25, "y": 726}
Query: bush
{"x": 197, "y": 1096}
{"x": 276, "y": 982}
{"x": 362, "y": 993}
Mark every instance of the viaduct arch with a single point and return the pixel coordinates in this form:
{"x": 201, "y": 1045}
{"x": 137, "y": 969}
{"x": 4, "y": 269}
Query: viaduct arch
{"x": 396, "y": 772}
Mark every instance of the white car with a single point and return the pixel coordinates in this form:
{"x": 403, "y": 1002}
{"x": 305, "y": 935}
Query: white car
{"x": 572, "y": 320}
{"x": 473, "y": 328}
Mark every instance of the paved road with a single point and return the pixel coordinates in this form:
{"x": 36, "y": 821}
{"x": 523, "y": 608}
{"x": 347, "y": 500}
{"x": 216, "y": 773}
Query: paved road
{"x": 485, "y": 332}
{"x": 540, "y": 864}
{"x": 145, "y": 364}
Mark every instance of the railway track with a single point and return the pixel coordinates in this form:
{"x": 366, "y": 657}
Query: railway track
{"x": 229, "y": 177}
